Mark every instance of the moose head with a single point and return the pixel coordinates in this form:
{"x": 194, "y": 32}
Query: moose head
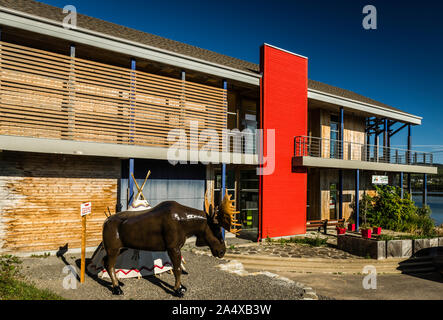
{"x": 218, "y": 218}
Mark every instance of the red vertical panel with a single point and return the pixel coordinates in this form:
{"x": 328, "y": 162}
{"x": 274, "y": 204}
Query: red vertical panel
{"x": 284, "y": 107}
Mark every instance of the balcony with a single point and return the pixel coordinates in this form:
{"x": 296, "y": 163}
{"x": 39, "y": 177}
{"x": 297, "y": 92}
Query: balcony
{"x": 319, "y": 152}
{"x": 56, "y": 103}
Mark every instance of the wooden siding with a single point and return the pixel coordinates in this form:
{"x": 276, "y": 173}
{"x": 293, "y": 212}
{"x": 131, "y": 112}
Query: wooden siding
{"x": 328, "y": 177}
{"x": 353, "y": 135}
{"x": 354, "y": 132}
{"x": 50, "y": 95}
{"x": 41, "y": 196}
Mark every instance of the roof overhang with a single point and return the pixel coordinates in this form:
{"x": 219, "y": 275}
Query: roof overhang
{"x": 32, "y": 23}
{"x": 370, "y": 109}
{"x": 83, "y": 148}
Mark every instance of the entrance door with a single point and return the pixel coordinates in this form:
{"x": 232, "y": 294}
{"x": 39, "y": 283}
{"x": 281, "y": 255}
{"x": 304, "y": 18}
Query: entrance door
{"x": 332, "y": 201}
{"x": 249, "y": 200}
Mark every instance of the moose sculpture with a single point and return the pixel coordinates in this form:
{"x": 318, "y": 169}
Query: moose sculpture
{"x": 166, "y": 228}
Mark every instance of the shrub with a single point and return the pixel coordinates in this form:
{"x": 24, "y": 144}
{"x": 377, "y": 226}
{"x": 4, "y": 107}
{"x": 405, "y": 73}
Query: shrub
{"x": 9, "y": 266}
{"x": 389, "y": 211}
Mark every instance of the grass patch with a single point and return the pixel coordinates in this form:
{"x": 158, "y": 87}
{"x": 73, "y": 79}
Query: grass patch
{"x": 14, "y": 288}
{"x": 45, "y": 255}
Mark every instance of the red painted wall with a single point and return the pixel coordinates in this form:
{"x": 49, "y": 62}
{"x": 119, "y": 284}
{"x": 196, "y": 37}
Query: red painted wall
{"x": 284, "y": 107}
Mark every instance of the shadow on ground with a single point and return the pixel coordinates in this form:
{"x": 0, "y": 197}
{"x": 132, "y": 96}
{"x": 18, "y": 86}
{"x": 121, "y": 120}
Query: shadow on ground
{"x": 425, "y": 264}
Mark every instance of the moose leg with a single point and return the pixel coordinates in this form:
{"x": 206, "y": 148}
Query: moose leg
{"x": 175, "y": 255}
{"x": 110, "y": 260}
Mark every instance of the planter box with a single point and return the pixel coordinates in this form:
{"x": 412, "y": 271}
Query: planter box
{"x": 399, "y": 248}
{"x": 351, "y": 227}
{"x": 366, "y": 233}
{"x": 376, "y": 231}
{"x": 362, "y": 247}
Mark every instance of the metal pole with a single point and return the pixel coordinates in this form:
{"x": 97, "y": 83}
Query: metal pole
{"x": 340, "y": 195}
{"x": 376, "y": 147}
{"x": 385, "y": 141}
{"x": 223, "y": 177}
{"x": 425, "y": 189}
{"x": 131, "y": 161}
{"x": 357, "y": 198}
{"x": 401, "y": 185}
{"x": 342, "y": 132}
{"x": 409, "y": 158}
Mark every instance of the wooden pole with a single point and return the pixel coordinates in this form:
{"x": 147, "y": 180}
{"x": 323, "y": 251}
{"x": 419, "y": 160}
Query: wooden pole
{"x": 82, "y": 271}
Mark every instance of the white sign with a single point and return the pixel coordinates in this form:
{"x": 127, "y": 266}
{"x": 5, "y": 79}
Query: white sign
{"x": 85, "y": 208}
{"x": 380, "y": 180}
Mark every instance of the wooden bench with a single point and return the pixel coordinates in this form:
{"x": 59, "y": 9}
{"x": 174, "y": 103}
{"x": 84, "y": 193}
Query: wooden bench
{"x": 313, "y": 224}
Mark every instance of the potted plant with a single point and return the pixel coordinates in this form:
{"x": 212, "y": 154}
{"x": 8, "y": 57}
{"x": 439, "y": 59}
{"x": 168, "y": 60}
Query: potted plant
{"x": 341, "y": 228}
{"x": 351, "y": 225}
{"x": 366, "y": 231}
{"x": 376, "y": 230}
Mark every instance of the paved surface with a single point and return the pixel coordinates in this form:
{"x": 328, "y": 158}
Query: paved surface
{"x": 205, "y": 281}
{"x": 427, "y": 286}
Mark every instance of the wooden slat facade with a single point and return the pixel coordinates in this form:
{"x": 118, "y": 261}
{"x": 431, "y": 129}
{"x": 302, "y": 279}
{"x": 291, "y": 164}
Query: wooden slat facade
{"x": 48, "y": 95}
{"x": 40, "y": 197}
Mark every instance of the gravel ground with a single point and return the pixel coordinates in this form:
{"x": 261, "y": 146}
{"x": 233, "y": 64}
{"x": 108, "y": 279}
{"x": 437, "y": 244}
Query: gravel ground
{"x": 205, "y": 281}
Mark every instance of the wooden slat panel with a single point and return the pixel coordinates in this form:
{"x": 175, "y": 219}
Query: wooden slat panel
{"x": 50, "y": 95}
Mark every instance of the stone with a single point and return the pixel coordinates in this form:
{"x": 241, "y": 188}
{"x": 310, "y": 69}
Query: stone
{"x": 440, "y": 241}
{"x": 433, "y": 242}
{"x": 399, "y": 248}
{"x": 420, "y": 244}
{"x": 407, "y": 248}
{"x": 362, "y": 247}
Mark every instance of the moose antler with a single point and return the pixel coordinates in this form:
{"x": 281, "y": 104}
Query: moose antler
{"x": 227, "y": 214}
{"x": 208, "y": 204}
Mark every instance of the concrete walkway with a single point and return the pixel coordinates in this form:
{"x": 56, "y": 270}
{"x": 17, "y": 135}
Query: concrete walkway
{"x": 424, "y": 286}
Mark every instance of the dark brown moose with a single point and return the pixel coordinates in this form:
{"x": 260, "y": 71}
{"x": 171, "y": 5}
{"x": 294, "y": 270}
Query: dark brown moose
{"x": 165, "y": 228}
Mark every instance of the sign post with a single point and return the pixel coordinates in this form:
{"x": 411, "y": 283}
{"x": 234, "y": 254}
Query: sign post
{"x": 85, "y": 209}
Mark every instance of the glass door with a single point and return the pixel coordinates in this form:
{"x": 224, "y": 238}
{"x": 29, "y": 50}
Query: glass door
{"x": 334, "y": 138}
{"x": 332, "y": 201}
{"x": 249, "y": 199}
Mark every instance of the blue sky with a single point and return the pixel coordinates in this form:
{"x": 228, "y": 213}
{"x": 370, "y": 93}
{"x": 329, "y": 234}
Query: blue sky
{"x": 399, "y": 64}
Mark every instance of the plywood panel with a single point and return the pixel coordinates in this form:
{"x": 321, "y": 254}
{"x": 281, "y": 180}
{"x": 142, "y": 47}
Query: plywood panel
{"x": 40, "y": 197}
{"x": 325, "y": 125}
{"x": 354, "y": 137}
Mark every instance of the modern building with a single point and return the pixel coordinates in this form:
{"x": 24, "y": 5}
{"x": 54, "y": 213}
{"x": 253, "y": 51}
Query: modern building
{"x": 84, "y": 108}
